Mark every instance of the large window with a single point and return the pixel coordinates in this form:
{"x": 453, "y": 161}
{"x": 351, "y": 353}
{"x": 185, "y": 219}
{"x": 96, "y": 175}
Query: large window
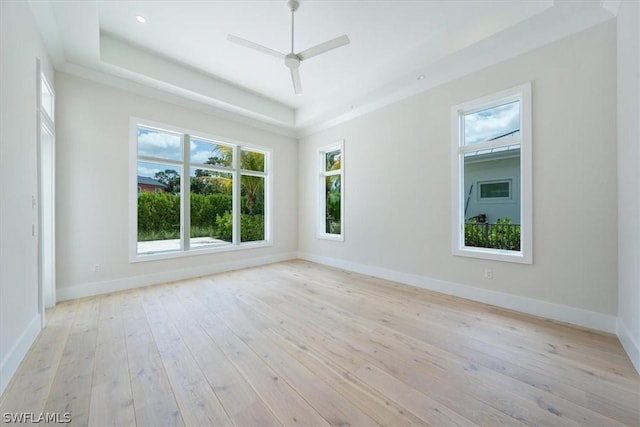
{"x": 492, "y": 177}
{"x": 331, "y": 192}
{"x": 195, "y": 193}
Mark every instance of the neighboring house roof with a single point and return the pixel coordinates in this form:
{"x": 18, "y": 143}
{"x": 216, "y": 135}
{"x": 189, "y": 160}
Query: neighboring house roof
{"x": 504, "y": 151}
{"x": 144, "y": 180}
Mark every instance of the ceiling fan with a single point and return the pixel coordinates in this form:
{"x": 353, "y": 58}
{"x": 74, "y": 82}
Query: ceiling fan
{"x": 292, "y": 60}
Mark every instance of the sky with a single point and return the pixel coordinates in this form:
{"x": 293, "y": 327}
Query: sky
{"x": 167, "y": 146}
{"x": 487, "y": 124}
{"x": 478, "y": 127}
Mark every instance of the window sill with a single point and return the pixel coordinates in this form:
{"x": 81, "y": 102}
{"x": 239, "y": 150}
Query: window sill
{"x": 197, "y": 252}
{"x": 334, "y": 237}
{"x": 493, "y": 254}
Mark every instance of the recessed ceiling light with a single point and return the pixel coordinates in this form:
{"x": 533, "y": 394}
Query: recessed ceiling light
{"x": 421, "y": 77}
{"x": 141, "y": 19}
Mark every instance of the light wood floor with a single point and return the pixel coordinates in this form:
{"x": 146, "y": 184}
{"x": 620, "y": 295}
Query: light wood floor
{"x": 295, "y": 343}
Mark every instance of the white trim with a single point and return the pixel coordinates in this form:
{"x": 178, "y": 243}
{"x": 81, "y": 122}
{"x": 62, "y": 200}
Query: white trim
{"x": 39, "y": 123}
{"x": 520, "y": 93}
{"x": 574, "y": 315}
{"x": 46, "y": 255}
{"x": 48, "y": 116}
{"x": 173, "y": 254}
{"x": 630, "y": 345}
{"x": 236, "y": 197}
{"x": 17, "y": 353}
{"x": 107, "y": 286}
{"x": 321, "y": 206}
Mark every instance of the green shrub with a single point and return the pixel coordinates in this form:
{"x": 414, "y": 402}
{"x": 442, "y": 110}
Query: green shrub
{"x": 206, "y": 208}
{"x": 158, "y": 212}
{"x": 159, "y": 217}
{"x": 224, "y": 226}
{"x": 251, "y": 227}
{"x": 502, "y": 235}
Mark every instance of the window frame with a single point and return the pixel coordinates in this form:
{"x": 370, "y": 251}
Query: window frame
{"x": 520, "y": 93}
{"x": 184, "y": 166}
{"x": 507, "y": 199}
{"x": 322, "y": 175}
{"x": 47, "y": 110}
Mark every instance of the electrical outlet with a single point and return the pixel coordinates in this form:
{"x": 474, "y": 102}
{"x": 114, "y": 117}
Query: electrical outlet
{"x": 488, "y": 274}
{"x": 97, "y": 268}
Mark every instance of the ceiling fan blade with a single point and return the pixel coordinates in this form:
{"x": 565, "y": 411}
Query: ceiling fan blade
{"x": 324, "y": 47}
{"x": 255, "y": 46}
{"x": 295, "y": 78}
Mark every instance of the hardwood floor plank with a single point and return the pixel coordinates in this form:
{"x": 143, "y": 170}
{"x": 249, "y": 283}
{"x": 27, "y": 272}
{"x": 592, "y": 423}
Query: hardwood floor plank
{"x": 32, "y": 384}
{"x": 327, "y": 401}
{"x": 369, "y": 399}
{"x": 197, "y": 402}
{"x": 429, "y": 410}
{"x": 71, "y": 388}
{"x": 296, "y": 343}
{"x": 288, "y": 406}
{"x": 111, "y": 399}
{"x": 621, "y": 387}
{"x": 581, "y": 418}
{"x": 449, "y": 395}
{"x": 153, "y": 397}
{"x": 241, "y": 402}
{"x": 484, "y": 323}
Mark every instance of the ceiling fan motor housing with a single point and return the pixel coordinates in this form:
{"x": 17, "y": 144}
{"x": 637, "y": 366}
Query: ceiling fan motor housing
{"x": 292, "y": 60}
{"x": 293, "y": 5}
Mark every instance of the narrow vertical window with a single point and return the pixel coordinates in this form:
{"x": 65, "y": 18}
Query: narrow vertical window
{"x": 47, "y": 102}
{"x": 211, "y": 193}
{"x": 46, "y": 191}
{"x": 492, "y": 185}
{"x": 331, "y": 192}
{"x": 159, "y": 176}
{"x": 252, "y": 195}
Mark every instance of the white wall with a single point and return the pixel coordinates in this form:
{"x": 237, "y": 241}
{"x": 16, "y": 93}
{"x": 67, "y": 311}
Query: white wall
{"x": 20, "y": 45}
{"x": 397, "y": 187}
{"x": 629, "y": 179}
{"x": 92, "y": 190}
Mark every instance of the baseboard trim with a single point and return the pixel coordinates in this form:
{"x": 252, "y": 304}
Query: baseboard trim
{"x": 105, "y": 287}
{"x": 629, "y": 344}
{"x": 16, "y": 355}
{"x": 548, "y": 310}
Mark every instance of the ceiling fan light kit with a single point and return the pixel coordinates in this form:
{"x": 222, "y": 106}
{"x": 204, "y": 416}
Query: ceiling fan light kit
{"x": 292, "y": 60}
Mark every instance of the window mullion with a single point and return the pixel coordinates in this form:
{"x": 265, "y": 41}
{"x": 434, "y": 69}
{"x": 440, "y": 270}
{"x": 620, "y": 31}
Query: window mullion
{"x": 236, "y": 197}
{"x": 151, "y": 159}
{"x": 185, "y": 195}
{"x": 253, "y": 173}
{"x": 487, "y": 145}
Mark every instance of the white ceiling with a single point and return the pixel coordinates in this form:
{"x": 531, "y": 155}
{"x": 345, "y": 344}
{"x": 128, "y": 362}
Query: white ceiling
{"x": 182, "y": 48}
